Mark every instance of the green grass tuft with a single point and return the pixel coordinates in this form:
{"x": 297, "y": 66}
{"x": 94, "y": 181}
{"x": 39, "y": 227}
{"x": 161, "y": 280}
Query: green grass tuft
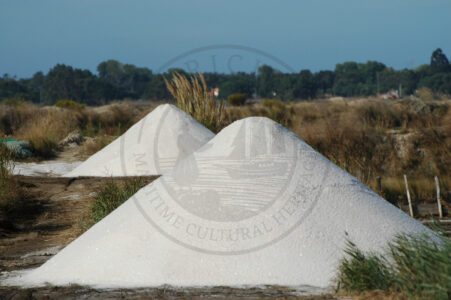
{"x": 361, "y": 272}
{"x": 423, "y": 268}
{"x": 417, "y": 266}
{"x": 112, "y": 195}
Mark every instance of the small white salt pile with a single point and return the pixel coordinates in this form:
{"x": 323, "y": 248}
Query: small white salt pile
{"x": 150, "y": 147}
{"x": 45, "y": 168}
{"x": 255, "y": 205}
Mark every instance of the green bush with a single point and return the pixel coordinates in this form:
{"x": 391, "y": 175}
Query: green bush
{"x": 423, "y": 268}
{"x": 278, "y": 111}
{"x": 15, "y": 102}
{"x": 70, "y": 104}
{"x": 236, "y": 99}
{"x": 111, "y": 196}
{"x": 361, "y": 272}
{"x": 419, "y": 268}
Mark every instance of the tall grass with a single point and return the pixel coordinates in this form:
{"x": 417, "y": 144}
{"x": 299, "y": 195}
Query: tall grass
{"x": 359, "y": 272}
{"x": 14, "y": 114}
{"x": 193, "y": 98}
{"x": 416, "y": 266}
{"x": 112, "y": 195}
{"x": 45, "y": 127}
{"x": 7, "y": 196}
{"x": 94, "y": 145}
{"x": 423, "y": 268}
{"x": 278, "y": 111}
{"x": 12, "y": 196}
{"x": 45, "y": 131}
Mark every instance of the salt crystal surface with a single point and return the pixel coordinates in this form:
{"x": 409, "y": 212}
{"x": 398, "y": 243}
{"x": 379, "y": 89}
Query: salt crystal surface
{"x": 255, "y": 205}
{"x": 45, "y": 168}
{"x": 150, "y": 147}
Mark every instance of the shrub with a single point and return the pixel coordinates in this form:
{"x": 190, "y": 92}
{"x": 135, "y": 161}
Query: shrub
{"x": 236, "y": 99}
{"x": 70, "y": 104}
{"x": 12, "y": 195}
{"x": 13, "y": 115}
{"x": 420, "y": 268}
{"x": 425, "y": 94}
{"x": 193, "y": 98}
{"x": 6, "y": 164}
{"x": 361, "y": 272}
{"x": 423, "y": 268}
{"x": 278, "y": 111}
{"x": 46, "y": 130}
{"x": 112, "y": 195}
{"x": 15, "y": 102}
{"x": 93, "y": 145}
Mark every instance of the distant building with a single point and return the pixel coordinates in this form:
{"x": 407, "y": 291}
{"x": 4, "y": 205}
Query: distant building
{"x": 214, "y": 92}
{"x": 391, "y": 94}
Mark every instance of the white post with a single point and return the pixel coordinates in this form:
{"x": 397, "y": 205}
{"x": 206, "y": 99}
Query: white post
{"x": 408, "y": 196}
{"x": 439, "y": 203}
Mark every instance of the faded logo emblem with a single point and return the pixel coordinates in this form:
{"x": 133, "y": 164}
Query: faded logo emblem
{"x": 246, "y": 189}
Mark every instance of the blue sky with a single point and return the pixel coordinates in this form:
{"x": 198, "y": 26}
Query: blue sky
{"x": 305, "y": 34}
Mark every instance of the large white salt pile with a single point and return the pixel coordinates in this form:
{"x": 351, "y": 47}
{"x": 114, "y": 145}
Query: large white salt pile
{"x": 150, "y": 147}
{"x": 255, "y": 205}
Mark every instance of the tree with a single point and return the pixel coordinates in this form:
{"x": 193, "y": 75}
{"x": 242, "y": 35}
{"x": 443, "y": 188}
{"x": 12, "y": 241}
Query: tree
{"x": 305, "y": 85}
{"x": 156, "y": 88}
{"x": 238, "y": 83}
{"x": 439, "y": 62}
{"x": 135, "y": 80}
{"x": 324, "y": 81}
{"x": 266, "y": 78}
{"x": 286, "y": 85}
{"x": 112, "y": 71}
{"x": 439, "y": 82}
{"x": 11, "y": 88}
{"x": 347, "y": 79}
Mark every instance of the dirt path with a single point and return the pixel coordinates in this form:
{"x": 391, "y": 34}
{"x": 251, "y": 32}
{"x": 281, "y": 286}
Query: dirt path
{"x": 77, "y": 292}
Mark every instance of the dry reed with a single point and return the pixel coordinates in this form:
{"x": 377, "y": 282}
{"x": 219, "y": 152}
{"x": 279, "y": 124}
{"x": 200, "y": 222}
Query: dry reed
{"x": 193, "y": 98}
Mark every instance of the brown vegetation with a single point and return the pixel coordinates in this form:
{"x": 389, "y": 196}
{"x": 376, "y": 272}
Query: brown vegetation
{"x": 371, "y": 138}
{"x": 44, "y": 127}
{"x": 368, "y": 138}
{"x": 13, "y": 198}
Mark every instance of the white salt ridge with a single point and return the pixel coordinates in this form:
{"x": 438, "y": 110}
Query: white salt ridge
{"x": 45, "y": 168}
{"x": 274, "y": 210}
{"x": 150, "y": 147}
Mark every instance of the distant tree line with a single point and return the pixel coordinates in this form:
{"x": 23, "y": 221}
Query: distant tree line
{"x": 115, "y": 81}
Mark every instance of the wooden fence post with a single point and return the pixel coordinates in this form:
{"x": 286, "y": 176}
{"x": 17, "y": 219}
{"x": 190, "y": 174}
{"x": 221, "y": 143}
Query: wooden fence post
{"x": 439, "y": 203}
{"x": 408, "y": 196}
{"x": 379, "y": 184}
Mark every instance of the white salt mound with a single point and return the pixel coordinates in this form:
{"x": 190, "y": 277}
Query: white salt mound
{"x": 255, "y": 205}
{"x": 150, "y": 147}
